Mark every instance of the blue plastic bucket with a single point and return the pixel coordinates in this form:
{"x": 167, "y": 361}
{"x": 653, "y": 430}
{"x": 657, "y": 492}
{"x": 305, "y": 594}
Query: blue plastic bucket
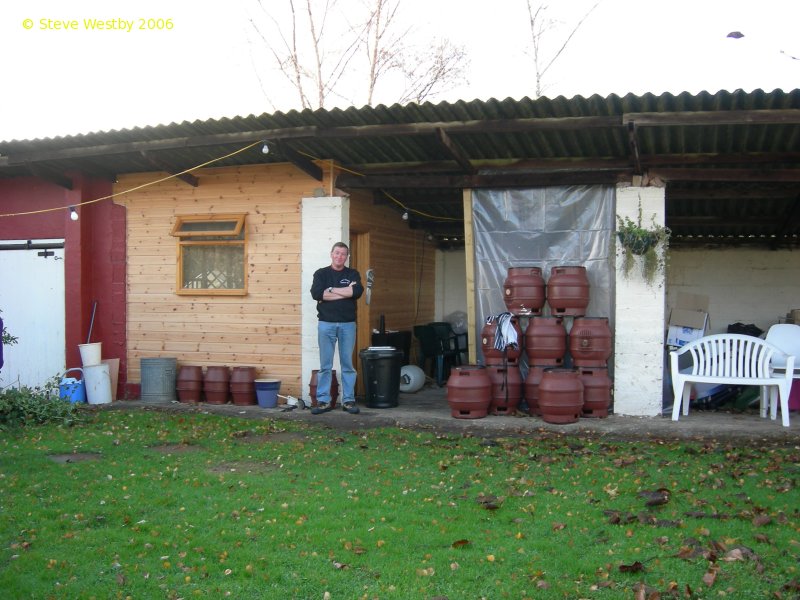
{"x": 72, "y": 388}
{"x": 267, "y": 392}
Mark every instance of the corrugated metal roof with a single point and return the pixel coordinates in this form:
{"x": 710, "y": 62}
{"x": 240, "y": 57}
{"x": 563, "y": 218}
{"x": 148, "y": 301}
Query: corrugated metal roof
{"x": 752, "y": 193}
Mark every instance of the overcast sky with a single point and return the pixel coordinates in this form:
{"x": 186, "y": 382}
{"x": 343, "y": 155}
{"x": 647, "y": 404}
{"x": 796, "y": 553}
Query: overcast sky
{"x": 207, "y": 61}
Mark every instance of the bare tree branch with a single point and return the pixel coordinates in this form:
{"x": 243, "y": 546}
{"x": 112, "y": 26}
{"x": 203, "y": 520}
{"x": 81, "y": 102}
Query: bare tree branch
{"x": 539, "y": 26}
{"x": 434, "y": 71}
{"x": 288, "y": 61}
{"x": 569, "y": 37}
{"x": 326, "y": 50}
{"x": 383, "y": 48}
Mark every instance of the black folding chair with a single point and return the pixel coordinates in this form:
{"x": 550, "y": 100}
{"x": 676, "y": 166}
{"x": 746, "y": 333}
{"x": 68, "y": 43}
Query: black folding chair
{"x": 431, "y": 347}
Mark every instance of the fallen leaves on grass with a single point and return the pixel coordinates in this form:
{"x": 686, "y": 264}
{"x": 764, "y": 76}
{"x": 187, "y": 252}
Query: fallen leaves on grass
{"x": 642, "y": 591}
{"x": 657, "y": 497}
{"x": 489, "y": 502}
{"x": 761, "y": 520}
{"x": 710, "y": 576}
{"x": 636, "y": 567}
{"x": 616, "y": 517}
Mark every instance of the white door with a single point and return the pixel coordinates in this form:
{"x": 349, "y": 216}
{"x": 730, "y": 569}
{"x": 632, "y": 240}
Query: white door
{"x": 32, "y": 301}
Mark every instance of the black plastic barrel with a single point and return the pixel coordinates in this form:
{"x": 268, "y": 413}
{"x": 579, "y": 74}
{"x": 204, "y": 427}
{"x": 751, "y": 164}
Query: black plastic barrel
{"x": 381, "y": 371}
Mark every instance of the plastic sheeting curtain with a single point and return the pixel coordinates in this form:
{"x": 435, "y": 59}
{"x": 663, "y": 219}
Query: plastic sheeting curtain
{"x": 543, "y": 227}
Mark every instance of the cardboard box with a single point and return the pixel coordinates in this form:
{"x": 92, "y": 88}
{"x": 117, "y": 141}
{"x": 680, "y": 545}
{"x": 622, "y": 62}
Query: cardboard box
{"x": 688, "y": 321}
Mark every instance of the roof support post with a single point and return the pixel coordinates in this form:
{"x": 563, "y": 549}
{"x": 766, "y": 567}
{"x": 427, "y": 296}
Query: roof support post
{"x": 639, "y": 346}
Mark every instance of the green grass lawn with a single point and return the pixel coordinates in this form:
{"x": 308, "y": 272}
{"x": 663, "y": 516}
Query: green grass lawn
{"x": 141, "y": 504}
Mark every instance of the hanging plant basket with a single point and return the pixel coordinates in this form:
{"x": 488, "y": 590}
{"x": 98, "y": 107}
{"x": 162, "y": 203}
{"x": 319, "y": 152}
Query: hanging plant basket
{"x": 638, "y": 242}
{"x": 650, "y": 244}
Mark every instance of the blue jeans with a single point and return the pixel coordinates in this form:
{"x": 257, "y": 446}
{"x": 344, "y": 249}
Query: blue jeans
{"x": 327, "y": 335}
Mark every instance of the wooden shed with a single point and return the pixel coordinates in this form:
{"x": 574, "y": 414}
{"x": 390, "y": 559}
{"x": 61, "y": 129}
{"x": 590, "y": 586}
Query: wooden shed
{"x": 719, "y": 170}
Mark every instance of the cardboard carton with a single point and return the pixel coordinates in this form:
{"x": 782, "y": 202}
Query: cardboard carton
{"x": 688, "y": 321}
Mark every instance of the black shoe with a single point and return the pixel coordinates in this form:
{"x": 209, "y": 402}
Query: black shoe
{"x": 321, "y": 408}
{"x": 350, "y": 407}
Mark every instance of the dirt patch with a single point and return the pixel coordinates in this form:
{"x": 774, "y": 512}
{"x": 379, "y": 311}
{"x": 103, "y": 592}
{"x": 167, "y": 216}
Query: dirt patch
{"x": 75, "y": 457}
{"x": 250, "y": 467}
{"x": 175, "y": 448}
{"x": 288, "y": 436}
{"x": 251, "y": 437}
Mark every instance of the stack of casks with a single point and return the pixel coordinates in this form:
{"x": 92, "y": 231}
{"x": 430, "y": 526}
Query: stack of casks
{"x": 474, "y": 391}
{"x": 502, "y": 368}
{"x": 216, "y": 385}
{"x": 556, "y": 393}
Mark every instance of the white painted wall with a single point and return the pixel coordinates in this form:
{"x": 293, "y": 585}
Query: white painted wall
{"x": 451, "y": 282}
{"x": 747, "y": 285}
{"x": 325, "y": 221}
{"x": 639, "y": 311}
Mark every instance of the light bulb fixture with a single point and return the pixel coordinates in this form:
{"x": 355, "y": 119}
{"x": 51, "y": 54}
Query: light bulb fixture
{"x": 405, "y": 216}
{"x": 73, "y": 214}
{"x": 265, "y": 148}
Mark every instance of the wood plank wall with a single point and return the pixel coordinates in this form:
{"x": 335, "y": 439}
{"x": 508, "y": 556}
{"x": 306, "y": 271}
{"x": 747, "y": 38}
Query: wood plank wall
{"x": 261, "y": 329}
{"x": 404, "y": 262}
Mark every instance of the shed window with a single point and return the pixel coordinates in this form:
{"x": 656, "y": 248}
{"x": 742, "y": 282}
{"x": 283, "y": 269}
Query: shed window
{"x": 211, "y": 254}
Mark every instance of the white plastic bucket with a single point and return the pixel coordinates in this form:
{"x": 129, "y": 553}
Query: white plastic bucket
{"x": 98, "y": 384}
{"x": 91, "y": 354}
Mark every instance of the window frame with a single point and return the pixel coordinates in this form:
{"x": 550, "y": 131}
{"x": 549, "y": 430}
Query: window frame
{"x": 188, "y": 239}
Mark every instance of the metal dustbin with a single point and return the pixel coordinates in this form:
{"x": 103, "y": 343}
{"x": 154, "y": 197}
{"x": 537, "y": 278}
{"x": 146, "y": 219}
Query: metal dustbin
{"x": 380, "y": 368}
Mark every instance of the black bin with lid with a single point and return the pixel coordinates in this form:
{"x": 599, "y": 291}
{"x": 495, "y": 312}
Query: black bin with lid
{"x": 380, "y": 366}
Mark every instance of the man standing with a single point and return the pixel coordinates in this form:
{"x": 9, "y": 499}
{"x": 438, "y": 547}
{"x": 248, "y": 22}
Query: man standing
{"x": 336, "y": 289}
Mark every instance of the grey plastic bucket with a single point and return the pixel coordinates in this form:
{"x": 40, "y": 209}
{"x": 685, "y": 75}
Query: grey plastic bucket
{"x": 159, "y": 376}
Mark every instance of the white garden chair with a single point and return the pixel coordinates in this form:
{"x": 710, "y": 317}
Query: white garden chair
{"x": 786, "y": 338}
{"x": 733, "y": 359}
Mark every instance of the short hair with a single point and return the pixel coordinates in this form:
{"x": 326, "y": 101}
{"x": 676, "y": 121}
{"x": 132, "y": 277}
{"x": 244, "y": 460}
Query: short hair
{"x": 340, "y": 245}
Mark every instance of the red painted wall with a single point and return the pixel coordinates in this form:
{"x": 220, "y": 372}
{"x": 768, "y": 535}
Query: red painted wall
{"x": 94, "y": 255}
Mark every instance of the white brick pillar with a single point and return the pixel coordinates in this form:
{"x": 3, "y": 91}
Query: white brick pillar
{"x": 639, "y": 317}
{"x": 324, "y": 221}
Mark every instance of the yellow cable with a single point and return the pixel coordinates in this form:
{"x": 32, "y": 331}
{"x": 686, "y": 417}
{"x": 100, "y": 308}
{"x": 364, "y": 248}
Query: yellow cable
{"x": 418, "y": 212}
{"x": 133, "y": 189}
{"x": 205, "y": 164}
{"x": 388, "y": 195}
